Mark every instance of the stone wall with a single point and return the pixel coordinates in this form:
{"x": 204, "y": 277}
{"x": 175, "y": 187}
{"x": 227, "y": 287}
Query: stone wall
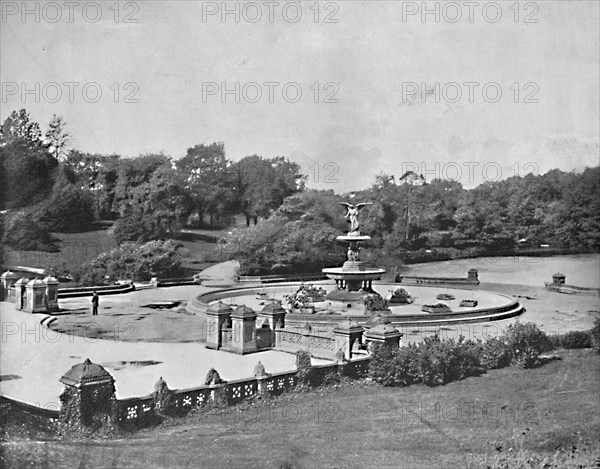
{"x": 292, "y": 340}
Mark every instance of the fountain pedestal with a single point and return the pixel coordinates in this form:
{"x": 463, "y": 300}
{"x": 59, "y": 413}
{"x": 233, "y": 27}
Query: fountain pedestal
{"x": 354, "y": 276}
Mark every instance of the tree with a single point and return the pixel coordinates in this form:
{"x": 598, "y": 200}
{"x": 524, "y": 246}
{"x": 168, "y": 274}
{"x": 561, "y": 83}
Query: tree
{"x": 156, "y": 209}
{"x": 97, "y": 175}
{"x": 18, "y": 126}
{"x": 300, "y": 236}
{"x": 26, "y": 174}
{"x": 21, "y": 232}
{"x": 69, "y": 208}
{"x": 57, "y": 138}
{"x": 133, "y": 172}
{"x": 263, "y": 184}
{"x": 208, "y": 178}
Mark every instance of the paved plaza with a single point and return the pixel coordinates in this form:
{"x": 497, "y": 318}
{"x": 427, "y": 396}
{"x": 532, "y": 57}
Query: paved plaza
{"x": 39, "y": 356}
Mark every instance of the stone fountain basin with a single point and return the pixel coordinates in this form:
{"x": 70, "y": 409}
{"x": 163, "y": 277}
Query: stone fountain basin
{"x": 489, "y": 303}
{"x": 361, "y": 273}
{"x": 353, "y": 238}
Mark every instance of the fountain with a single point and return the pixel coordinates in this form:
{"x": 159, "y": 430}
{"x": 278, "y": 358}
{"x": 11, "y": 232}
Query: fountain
{"x": 353, "y": 279}
{"x": 354, "y": 297}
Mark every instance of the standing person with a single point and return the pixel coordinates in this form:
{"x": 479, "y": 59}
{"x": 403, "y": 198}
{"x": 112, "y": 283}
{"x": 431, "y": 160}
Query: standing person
{"x": 95, "y": 302}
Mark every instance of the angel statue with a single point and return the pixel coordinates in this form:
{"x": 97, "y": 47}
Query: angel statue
{"x": 352, "y": 214}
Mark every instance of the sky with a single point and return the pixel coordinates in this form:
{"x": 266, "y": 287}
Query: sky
{"x": 347, "y": 89}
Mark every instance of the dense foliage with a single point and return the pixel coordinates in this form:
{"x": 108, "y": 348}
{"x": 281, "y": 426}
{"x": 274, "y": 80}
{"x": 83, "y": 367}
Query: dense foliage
{"x": 572, "y": 339}
{"x": 300, "y": 236}
{"x": 436, "y": 221}
{"x": 595, "y": 335}
{"x": 433, "y": 362}
{"x": 436, "y": 362}
{"x": 22, "y": 232}
{"x": 305, "y": 296}
{"x": 134, "y": 261}
{"x": 305, "y": 373}
{"x": 152, "y": 196}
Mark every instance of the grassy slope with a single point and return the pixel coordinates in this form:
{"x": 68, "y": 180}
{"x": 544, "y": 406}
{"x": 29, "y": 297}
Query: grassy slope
{"x": 364, "y": 426}
{"x": 75, "y": 249}
{"x": 78, "y": 248}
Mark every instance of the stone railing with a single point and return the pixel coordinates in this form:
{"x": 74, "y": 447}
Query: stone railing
{"x": 143, "y": 410}
{"x": 22, "y": 408}
{"x": 176, "y": 282}
{"x": 136, "y": 409}
{"x": 289, "y": 340}
{"x": 282, "y": 277}
{"x": 136, "y": 412}
{"x": 418, "y": 280}
{"x": 75, "y": 292}
{"x": 571, "y": 289}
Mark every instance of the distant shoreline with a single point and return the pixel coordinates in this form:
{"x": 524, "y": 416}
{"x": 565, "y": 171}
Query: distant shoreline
{"x": 423, "y": 257}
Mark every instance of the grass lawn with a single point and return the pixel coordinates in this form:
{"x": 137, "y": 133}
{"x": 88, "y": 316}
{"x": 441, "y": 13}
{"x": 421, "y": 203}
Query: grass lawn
{"x": 75, "y": 249}
{"x": 362, "y": 426}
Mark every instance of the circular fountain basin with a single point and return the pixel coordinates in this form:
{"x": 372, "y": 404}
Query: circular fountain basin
{"x": 353, "y": 238}
{"x": 358, "y": 272}
{"x": 490, "y": 306}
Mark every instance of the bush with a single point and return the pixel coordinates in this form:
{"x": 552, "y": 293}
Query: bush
{"x": 389, "y": 367}
{"x": 21, "y": 232}
{"x": 555, "y": 341}
{"x": 374, "y": 302}
{"x": 139, "y": 262}
{"x": 305, "y": 372}
{"x": 433, "y": 362}
{"x": 495, "y": 354}
{"x": 444, "y": 361}
{"x": 69, "y": 209}
{"x": 525, "y": 342}
{"x": 305, "y": 296}
{"x": 595, "y": 335}
{"x": 576, "y": 339}
{"x": 437, "y": 362}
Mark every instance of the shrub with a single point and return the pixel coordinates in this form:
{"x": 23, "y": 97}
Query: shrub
{"x": 595, "y": 335}
{"x": 69, "y": 209}
{"x": 444, "y": 361}
{"x": 305, "y": 372}
{"x": 494, "y": 354}
{"x": 433, "y": 362}
{"x": 384, "y": 366}
{"x": 374, "y": 302}
{"x": 22, "y": 232}
{"x": 407, "y": 368}
{"x": 555, "y": 341}
{"x": 400, "y": 295}
{"x": 467, "y": 360}
{"x": 525, "y": 342}
{"x": 576, "y": 339}
{"x": 437, "y": 362}
{"x": 305, "y": 296}
{"x": 133, "y": 261}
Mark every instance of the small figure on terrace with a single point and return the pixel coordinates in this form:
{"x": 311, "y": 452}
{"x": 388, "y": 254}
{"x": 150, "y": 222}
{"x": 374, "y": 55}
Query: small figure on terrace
{"x": 352, "y": 215}
{"x": 95, "y": 302}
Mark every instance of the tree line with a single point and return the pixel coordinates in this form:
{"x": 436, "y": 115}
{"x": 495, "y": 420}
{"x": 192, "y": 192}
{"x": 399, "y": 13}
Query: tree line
{"x": 436, "y": 221}
{"x": 46, "y": 187}
{"x": 49, "y": 187}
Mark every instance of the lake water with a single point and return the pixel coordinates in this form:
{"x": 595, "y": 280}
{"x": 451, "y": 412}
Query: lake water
{"x": 581, "y": 269}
